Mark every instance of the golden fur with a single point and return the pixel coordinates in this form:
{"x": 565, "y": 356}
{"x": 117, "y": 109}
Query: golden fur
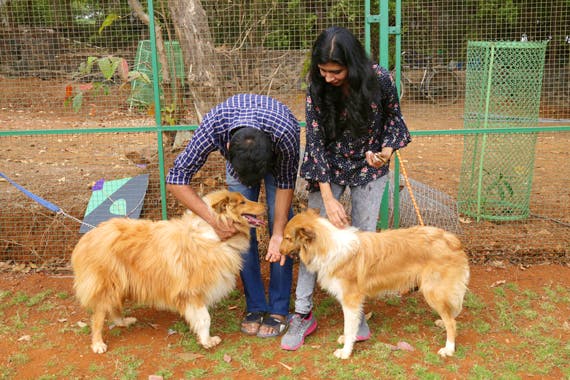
{"x": 179, "y": 265}
{"x": 353, "y": 265}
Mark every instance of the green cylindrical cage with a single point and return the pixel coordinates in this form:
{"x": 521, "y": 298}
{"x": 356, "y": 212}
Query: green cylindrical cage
{"x": 503, "y": 87}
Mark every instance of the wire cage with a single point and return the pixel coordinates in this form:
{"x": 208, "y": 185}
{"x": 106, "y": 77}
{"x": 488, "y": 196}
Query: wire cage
{"x": 503, "y": 88}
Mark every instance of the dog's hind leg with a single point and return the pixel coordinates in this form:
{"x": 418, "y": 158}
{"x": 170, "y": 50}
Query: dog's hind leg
{"x": 447, "y": 312}
{"x": 199, "y": 320}
{"x": 451, "y": 330}
{"x": 116, "y": 316}
{"x": 351, "y": 322}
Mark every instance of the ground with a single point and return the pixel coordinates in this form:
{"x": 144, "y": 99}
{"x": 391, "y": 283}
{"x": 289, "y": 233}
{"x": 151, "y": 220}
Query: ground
{"x": 515, "y": 322}
{"x": 44, "y": 335}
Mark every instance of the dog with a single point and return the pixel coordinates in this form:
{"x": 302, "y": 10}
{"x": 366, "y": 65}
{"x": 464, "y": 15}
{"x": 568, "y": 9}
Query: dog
{"x": 353, "y": 265}
{"x": 179, "y": 265}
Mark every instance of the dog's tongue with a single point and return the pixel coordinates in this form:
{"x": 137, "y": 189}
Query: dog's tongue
{"x": 252, "y": 220}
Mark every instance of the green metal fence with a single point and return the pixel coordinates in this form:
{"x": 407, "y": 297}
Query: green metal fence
{"x": 503, "y": 88}
{"x": 68, "y": 75}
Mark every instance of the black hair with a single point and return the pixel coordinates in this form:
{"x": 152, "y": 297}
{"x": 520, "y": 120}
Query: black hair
{"x": 251, "y": 155}
{"x": 340, "y": 46}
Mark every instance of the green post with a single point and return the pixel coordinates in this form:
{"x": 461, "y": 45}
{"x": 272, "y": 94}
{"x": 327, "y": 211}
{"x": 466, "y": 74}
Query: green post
{"x": 157, "y": 108}
{"x": 385, "y": 30}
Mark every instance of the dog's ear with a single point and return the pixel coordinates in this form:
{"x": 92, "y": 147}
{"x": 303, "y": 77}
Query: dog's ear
{"x": 304, "y": 234}
{"x": 220, "y": 204}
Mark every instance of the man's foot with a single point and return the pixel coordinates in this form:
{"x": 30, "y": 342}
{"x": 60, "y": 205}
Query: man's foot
{"x": 273, "y": 325}
{"x": 251, "y": 323}
{"x": 299, "y": 328}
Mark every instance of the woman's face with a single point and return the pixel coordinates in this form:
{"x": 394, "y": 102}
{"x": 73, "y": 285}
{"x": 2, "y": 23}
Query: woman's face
{"x": 333, "y": 73}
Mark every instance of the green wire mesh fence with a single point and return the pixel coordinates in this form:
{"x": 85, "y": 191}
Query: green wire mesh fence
{"x": 503, "y": 88}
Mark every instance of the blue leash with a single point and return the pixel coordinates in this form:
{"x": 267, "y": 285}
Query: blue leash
{"x": 40, "y": 200}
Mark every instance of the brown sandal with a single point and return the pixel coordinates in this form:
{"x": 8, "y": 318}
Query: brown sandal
{"x": 251, "y": 323}
{"x": 276, "y": 325}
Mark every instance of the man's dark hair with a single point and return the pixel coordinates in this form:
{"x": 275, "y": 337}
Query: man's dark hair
{"x": 251, "y": 155}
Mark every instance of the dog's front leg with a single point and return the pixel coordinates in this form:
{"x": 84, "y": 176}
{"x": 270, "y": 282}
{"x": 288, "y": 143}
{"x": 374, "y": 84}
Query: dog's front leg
{"x": 351, "y": 322}
{"x": 199, "y": 321}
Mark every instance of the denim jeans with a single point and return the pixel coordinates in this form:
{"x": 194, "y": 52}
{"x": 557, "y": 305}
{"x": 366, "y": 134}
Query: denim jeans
{"x": 365, "y": 202}
{"x": 280, "y": 277}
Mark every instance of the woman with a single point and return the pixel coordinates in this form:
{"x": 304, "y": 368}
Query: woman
{"x": 354, "y": 125}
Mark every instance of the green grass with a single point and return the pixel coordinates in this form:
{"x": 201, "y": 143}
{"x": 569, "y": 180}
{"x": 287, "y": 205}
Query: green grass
{"x": 534, "y": 344}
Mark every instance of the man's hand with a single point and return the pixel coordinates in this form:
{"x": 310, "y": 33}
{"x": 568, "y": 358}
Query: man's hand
{"x": 273, "y": 254}
{"x": 224, "y": 228}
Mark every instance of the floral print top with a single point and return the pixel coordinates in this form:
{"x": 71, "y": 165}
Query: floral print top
{"x": 344, "y": 162}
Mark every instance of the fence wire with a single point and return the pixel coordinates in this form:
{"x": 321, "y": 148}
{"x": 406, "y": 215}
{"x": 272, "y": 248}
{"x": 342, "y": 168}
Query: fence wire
{"x": 87, "y": 65}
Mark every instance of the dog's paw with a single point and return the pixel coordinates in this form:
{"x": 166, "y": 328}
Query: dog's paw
{"x": 444, "y": 352}
{"x": 99, "y": 347}
{"x": 211, "y": 342}
{"x": 342, "y": 354}
{"x": 448, "y": 350}
{"x": 439, "y": 323}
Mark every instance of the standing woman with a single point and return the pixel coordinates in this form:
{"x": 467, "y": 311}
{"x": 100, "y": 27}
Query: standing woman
{"x": 354, "y": 125}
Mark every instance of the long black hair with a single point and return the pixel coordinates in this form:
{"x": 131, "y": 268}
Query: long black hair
{"x": 340, "y": 46}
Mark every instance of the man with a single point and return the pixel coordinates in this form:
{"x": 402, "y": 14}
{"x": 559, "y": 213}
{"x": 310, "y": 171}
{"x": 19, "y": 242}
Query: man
{"x": 259, "y": 138}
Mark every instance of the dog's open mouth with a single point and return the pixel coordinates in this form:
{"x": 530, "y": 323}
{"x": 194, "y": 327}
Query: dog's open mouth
{"x": 253, "y": 220}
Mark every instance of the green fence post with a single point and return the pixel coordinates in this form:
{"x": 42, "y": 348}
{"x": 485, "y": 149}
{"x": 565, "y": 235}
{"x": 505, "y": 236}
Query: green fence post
{"x": 385, "y": 30}
{"x": 157, "y": 108}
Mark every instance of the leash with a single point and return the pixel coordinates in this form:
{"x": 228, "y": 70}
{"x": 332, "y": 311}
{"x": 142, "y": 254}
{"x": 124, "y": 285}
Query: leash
{"x": 409, "y": 187}
{"x": 42, "y": 201}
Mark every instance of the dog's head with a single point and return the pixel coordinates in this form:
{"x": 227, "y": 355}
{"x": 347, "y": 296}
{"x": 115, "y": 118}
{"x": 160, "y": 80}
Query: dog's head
{"x": 234, "y": 206}
{"x": 300, "y": 232}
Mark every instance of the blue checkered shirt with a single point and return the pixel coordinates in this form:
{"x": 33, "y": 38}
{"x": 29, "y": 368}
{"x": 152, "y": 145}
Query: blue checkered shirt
{"x": 244, "y": 110}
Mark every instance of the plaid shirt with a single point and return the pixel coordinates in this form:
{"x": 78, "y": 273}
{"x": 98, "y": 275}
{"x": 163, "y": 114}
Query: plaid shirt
{"x": 249, "y": 110}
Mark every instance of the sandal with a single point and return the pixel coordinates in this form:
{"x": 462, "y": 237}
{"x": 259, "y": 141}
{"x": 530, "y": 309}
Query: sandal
{"x": 251, "y": 323}
{"x": 276, "y": 324}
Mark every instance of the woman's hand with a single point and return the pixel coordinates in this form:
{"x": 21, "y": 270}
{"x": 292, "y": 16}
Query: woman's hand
{"x": 379, "y": 159}
{"x": 336, "y": 213}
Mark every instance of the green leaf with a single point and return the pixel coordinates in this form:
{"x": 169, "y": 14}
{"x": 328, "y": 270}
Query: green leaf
{"x": 509, "y": 188}
{"x": 109, "y": 20}
{"x": 77, "y": 102}
{"x": 108, "y": 66}
{"x": 87, "y": 66}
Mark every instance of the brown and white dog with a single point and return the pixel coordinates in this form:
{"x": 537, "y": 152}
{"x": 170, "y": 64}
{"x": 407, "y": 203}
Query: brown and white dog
{"x": 353, "y": 265}
{"x": 179, "y": 265}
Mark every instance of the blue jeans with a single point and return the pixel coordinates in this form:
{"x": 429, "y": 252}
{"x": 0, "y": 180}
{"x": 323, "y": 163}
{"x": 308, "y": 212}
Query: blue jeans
{"x": 280, "y": 277}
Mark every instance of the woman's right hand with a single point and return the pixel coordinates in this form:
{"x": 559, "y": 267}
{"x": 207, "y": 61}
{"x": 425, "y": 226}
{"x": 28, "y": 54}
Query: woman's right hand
{"x": 336, "y": 213}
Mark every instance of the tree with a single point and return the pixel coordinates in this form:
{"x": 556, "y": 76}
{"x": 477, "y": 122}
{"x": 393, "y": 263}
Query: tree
{"x": 200, "y": 58}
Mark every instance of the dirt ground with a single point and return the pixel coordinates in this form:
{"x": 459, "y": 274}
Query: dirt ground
{"x": 54, "y": 332}
{"x": 145, "y": 339}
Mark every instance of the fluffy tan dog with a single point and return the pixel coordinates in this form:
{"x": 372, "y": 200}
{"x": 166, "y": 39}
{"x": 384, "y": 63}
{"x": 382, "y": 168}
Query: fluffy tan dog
{"x": 353, "y": 265}
{"x": 179, "y": 265}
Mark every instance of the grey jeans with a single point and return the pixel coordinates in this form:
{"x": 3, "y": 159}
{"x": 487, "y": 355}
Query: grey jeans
{"x": 365, "y": 202}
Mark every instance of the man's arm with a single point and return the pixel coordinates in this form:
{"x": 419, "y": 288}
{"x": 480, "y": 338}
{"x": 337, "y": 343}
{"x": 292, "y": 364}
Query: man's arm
{"x": 283, "y": 200}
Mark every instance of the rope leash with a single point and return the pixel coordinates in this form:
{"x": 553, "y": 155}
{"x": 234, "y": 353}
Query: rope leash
{"x": 409, "y": 187}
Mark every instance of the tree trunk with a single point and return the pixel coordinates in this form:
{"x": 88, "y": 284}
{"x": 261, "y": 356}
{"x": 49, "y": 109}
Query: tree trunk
{"x": 200, "y": 58}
